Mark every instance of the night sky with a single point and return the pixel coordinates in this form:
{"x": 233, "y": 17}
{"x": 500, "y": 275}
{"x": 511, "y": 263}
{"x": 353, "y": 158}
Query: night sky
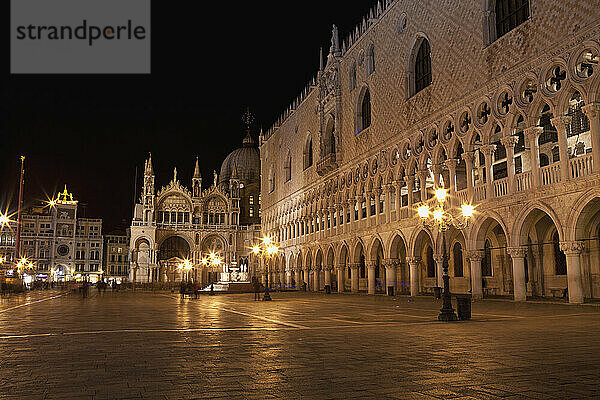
{"x": 208, "y": 65}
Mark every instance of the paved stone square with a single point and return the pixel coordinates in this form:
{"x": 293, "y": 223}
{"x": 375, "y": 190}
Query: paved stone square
{"x": 155, "y": 345}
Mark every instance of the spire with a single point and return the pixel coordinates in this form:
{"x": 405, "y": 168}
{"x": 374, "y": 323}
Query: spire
{"x": 148, "y": 169}
{"x": 175, "y": 174}
{"x": 197, "y": 169}
{"x": 321, "y": 59}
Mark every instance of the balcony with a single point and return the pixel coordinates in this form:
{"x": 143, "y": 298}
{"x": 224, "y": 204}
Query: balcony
{"x": 327, "y": 164}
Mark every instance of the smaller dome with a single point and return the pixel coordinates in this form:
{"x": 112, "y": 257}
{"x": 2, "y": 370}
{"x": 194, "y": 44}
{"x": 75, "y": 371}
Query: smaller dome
{"x": 244, "y": 163}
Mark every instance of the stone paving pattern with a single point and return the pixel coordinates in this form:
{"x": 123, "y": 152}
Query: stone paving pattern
{"x": 157, "y": 346}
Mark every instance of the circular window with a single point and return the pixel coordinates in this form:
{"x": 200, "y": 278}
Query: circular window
{"x": 62, "y": 250}
{"x": 586, "y": 62}
{"x": 555, "y": 79}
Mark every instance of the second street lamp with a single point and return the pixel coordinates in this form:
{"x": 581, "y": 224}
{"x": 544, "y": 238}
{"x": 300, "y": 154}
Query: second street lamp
{"x": 442, "y": 218}
{"x": 266, "y": 250}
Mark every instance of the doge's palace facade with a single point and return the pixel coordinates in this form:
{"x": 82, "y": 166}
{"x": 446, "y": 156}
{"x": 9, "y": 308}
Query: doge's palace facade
{"x": 497, "y": 101}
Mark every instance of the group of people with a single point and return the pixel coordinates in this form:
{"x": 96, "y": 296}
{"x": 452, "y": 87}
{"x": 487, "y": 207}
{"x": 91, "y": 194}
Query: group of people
{"x": 189, "y": 288}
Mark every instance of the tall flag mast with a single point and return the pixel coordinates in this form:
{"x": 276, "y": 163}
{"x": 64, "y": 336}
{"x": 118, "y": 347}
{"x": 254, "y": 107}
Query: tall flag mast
{"x": 17, "y": 241}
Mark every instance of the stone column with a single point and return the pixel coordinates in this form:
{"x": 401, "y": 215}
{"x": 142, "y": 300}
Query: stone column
{"x": 532, "y": 135}
{"x": 487, "y": 151}
{"x": 561, "y": 123}
{"x": 451, "y": 164}
{"x": 518, "y": 261}
{"x": 387, "y": 206}
{"x": 593, "y": 111}
{"x": 328, "y": 276}
{"x": 398, "y": 189}
{"x": 437, "y": 172}
{"x": 298, "y": 278}
{"x": 306, "y": 278}
{"x": 316, "y": 278}
{"x": 354, "y": 277}
{"x": 469, "y": 157}
{"x": 439, "y": 269}
{"x": 371, "y": 277}
{"x": 574, "y": 280}
{"x": 282, "y": 278}
{"x": 509, "y": 143}
{"x": 340, "y": 278}
{"x": 475, "y": 258}
{"x": 390, "y": 275}
{"x": 423, "y": 183}
{"x": 410, "y": 184}
{"x": 414, "y": 275}
{"x": 377, "y": 194}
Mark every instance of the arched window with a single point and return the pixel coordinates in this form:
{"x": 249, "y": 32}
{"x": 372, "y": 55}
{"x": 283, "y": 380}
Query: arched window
{"x": 486, "y": 262}
{"x": 308, "y": 153}
{"x": 423, "y": 66}
{"x": 510, "y": 14}
{"x": 364, "y": 117}
{"x": 544, "y": 160}
{"x": 458, "y": 260}
{"x": 272, "y": 181}
{"x": 560, "y": 260}
{"x": 430, "y": 262}
{"x": 352, "y": 76}
{"x": 370, "y": 60}
{"x": 288, "y": 168}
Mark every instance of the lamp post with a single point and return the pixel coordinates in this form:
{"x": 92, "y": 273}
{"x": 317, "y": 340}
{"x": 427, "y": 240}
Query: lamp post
{"x": 442, "y": 218}
{"x": 266, "y": 249}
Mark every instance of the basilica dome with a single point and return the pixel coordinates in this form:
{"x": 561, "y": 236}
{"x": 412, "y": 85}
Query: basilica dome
{"x": 244, "y": 163}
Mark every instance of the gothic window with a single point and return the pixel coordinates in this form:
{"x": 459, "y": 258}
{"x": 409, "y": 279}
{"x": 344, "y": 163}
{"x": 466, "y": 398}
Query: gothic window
{"x": 544, "y": 160}
{"x": 560, "y": 260}
{"x": 486, "y": 262}
{"x": 555, "y": 154}
{"x": 423, "y": 66}
{"x": 308, "y": 153}
{"x": 288, "y": 168}
{"x": 272, "y": 182}
{"x": 430, "y": 262}
{"x": 381, "y": 202}
{"x": 370, "y": 65}
{"x": 364, "y": 117}
{"x": 458, "y": 260}
{"x": 372, "y": 205}
{"x": 352, "y": 75}
{"x": 510, "y": 14}
{"x": 579, "y": 127}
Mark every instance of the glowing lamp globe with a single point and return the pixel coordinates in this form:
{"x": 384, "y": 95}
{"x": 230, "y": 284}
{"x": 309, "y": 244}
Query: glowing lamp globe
{"x": 467, "y": 210}
{"x": 423, "y": 211}
{"x": 441, "y": 194}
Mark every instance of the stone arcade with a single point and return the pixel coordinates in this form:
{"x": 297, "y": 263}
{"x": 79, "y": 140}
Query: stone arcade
{"x": 497, "y": 101}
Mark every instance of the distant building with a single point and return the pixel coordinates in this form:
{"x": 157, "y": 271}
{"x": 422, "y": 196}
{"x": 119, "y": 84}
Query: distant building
{"x": 116, "y": 256}
{"x": 58, "y": 244}
{"x": 175, "y": 224}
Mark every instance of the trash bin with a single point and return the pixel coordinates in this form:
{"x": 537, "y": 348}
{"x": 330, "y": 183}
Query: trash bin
{"x": 463, "y": 306}
{"x": 327, "y": 289}
{"x": 437, "y": 292}
{"x": 390, "y": 290}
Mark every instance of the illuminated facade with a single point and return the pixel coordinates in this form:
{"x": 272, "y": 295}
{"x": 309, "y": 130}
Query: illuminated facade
{"x": 116, "y": 257}
{"x": 176, "y": 224}
{"x": 497, "y": 101}
{"x": 59, "y": 244}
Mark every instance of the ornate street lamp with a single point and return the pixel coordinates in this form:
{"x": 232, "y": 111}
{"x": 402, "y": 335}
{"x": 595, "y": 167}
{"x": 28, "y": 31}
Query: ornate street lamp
{"x": 443, "y": 217}
{"x": 266, "y": 249}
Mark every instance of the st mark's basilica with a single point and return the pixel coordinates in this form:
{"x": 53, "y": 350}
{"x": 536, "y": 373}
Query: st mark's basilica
{"x": 177, "y": 233}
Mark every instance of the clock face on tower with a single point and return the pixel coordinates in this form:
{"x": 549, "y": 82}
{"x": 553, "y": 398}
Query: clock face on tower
{"x": 62, "y": 250}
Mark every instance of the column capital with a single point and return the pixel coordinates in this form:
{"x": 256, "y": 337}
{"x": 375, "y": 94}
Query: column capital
{"x": 439, "y": 258}
{"x": 354, "y": 266}
{"x": 468, "y": 157}
{"x": 591, "y": 110}
{"x": 509, "y": 141}
{"x": 561, "y": 122}
{"x": 475, "y": 255}
{"x": 377, "y": 191}
{"x": 340, "y": 267}
{"x": 413, "y": 260}
{"x": 451, "y": 163}
{"x": 423, "y": 173}
{"x": 533, "y": 132}
{"x": 409, "y": 179}
{"x": 572, "y": 247}
{"x": 488, "y": 149}
{"x": 516, "y": 252}
{"x": 389, "y": 187}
